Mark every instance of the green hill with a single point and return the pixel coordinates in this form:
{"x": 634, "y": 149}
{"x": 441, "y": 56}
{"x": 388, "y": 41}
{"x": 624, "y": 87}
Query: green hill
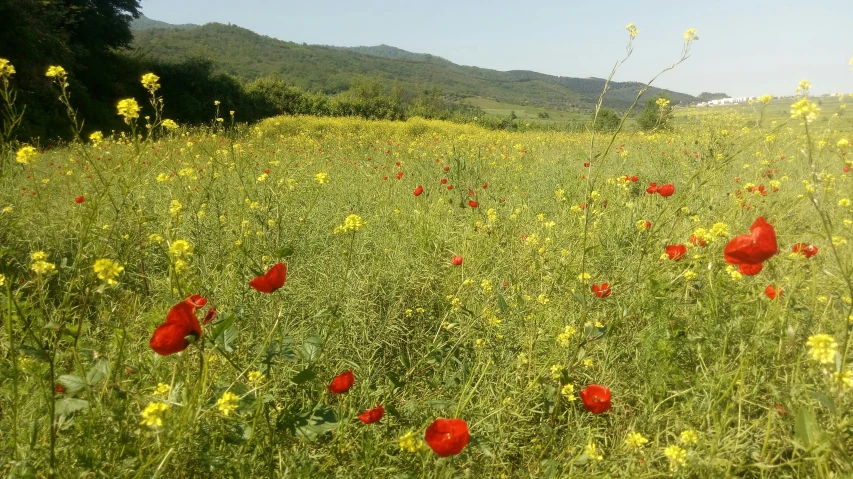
{"x": 246, "y": 54}
{"x": 145, "y": 23}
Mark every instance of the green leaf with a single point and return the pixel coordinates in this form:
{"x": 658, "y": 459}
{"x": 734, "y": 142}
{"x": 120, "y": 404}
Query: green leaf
{"x": 227, "y": 338}
{"x": 806, "y": 430}
{"x": 225, "y": 322}
{"x": 309, "y": 426}
{"x": 285, "y": 252}
{"x": 280, "y": 349}
{"x": 502, "y": 305}
{"x": 72, "y": 384}
{"x": 69, "y": 405}
{"x": 312, "y": 348}
{"x": 304, "y": 376}
{"x": 825, "y": 400}
{"x": 33, "y": 353}
{"x": 98, "y": 371}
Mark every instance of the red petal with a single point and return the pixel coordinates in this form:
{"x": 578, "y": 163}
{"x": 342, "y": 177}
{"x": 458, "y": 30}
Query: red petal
{"x": 272, "y": 280}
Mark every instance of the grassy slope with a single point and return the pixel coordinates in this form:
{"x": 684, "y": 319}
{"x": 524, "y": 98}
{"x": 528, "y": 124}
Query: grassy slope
{"x": 246, "y": 54}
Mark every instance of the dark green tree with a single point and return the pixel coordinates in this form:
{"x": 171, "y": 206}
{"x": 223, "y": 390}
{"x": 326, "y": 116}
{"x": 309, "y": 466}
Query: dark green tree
{"x": 84, "y": 37}
{"x": 607, "y": 120}
{"x": 656, "y": 114}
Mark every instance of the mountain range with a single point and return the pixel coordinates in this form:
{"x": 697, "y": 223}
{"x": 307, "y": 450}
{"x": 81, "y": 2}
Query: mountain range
{"x": 248, "y": 55}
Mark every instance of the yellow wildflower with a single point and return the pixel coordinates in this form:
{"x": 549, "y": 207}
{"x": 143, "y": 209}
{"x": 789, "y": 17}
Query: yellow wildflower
{"x": 632, "y": 30}
{"x": 26, "y": 155}
{"x": 823, "y": 348}
{"x": 636, "y": 440}
{"x": 149, "y": 81}
{"x": 592, "y": 452}
{"x": 321, "y": 178}
{"x": 568, "y": 392}
{"x": 153, "y": 414}
{"x": 6, "y": 68}
{"x": 107, "y": 270}
{"x": 175, "y": 208}
{"x": 676, "y": 455}
{"x": 256, "y": 377}
{"x": 180, "y": 249}
{"x": 227, "y": 403}
{"x": 689, "y": 436}
{"x": 162, "y": 389}
{"x": 351, "y": 223}
{"x": 169, "y": 124}
{"x": 129, "y": 109}
{"x": 408, "y": 443}
{"x": 56, "y": 72}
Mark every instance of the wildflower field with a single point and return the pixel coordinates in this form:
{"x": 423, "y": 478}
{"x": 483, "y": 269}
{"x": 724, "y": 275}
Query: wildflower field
{"x": 318, "y": 297}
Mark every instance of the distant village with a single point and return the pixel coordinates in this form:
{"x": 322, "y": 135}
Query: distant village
{"x": 743, "y": 99}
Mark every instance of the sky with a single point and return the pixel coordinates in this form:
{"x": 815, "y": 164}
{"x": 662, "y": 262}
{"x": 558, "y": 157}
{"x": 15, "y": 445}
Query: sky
{"x": 745, "y": 47}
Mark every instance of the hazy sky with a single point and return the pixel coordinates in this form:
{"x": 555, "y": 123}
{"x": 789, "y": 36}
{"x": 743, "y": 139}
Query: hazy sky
{"x": 746, "y": 47}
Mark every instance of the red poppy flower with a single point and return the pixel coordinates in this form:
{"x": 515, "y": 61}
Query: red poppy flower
{"x": 59, "y": 388}
{"x": 447, "y": 437}
{"x": 652, "y": 189}
{"x": 446, "y": 168}
{"x": 754, "y": 248}
{"x": 586, "y": 164}
{"x": 272, "y": 280}
{"x": 634, "y": 179}
{"x": 342, "y": 382}
{"x": 419, "y": 190}
{"x": 772, "y": 292}
{"x": 807, "y": 250}
{"x": 750, "y": 269}
{"x": 181, "y": 322}
{"x": 449, "y": 187}
{"x": 211, "y": 313}
{"x": 595, "y": 398}
{"x": 602, "y": 290}
{"x": 676, "y": 251}
{"x": 666, "y": 190}
{"x": 80, "y": 199}
{"x": 372, "y": 415}
{"x": 485, "y": 185}
{"x": 457, "y": 261}
{"x": 444, "y": 181}
{"x": 399, "y": 175}
{"x": 473, "y": 204}
{"x": 696, "y": 240}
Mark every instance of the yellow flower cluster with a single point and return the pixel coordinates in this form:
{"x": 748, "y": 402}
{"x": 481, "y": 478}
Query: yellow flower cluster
{"x": 568, "y": 392}
{"x": 566, "y": 336}
{"x": 690, "y": 35}
{"x": 408, "y": 443}
{"x": 321, "y": 178}
{"x": 153, "y": 414}
{"x": 162, "y": 389}
{"x": 107, "y": 270}
{"x": 149, "y": 81}
{"x": 2, "y": 279}
{"x": 129, "y": 109}
{"x": 227, "y": 403}
{"x": 662, "y": 103}
{"x": 805, "y": 110}
{"x": 6, "y": 68}
{"x": 96, "y": 138}
{"x": 676, "y": 455}
{"x": 351, "y": 223}
{"x": 169, "y": 124}
{"x": 765, "y": 99}
{"x": 26, "y": 155}
{"x": 593, "y": 453}
{"x": 175, "y": 208}
{"x": 180, "y": 249}
{"x": 632, "y": 30}
{"x": 822, "y": 348}
{"x": 56, "y": 72}
{"x": 256, "y": 377}
{"x": 636, "y": 440}
{"x": 40, "y": 265}
{"x": 689, "y": 436}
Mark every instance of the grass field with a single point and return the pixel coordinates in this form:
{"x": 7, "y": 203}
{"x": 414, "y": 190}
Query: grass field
{"x": 521, "y": 282}
{"x": 526, "y": 112}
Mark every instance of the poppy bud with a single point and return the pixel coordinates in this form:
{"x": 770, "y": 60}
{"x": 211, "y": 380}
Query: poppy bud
{"x": 419, "y": 190}
{"x": 80, "y": 199}
{"x": 457, "y": 261}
